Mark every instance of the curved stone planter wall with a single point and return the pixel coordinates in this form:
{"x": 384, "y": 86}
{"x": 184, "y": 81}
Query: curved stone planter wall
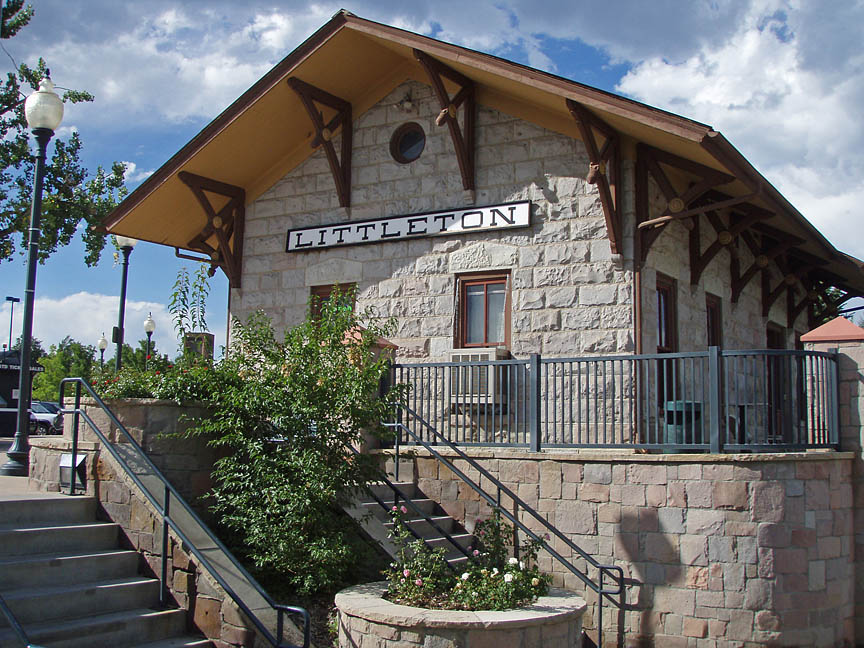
{"x": 366, "y": 620}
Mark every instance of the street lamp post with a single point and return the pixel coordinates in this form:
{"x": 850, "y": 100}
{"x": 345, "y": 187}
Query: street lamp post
{"x": 125, "y": 244}
{"x": 102, "y": 344}
{"x": 12, "y": 301}
{"x": 149, "y": 327}
{"x": 44, "y": 112}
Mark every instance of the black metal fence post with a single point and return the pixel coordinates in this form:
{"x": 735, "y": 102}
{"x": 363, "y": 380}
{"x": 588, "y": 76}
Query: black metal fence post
{"x": 534, "y": 401}
{"x": 166, "y": 512}
{"x": 715, "y": 382}
{"x": 834, "y": 399}
{"x": 73, "y": 471}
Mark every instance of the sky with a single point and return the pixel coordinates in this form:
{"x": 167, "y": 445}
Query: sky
{"x": 782, "y": 79}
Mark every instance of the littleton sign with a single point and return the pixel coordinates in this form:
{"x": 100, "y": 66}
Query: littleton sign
{"x": 394, "y": 228}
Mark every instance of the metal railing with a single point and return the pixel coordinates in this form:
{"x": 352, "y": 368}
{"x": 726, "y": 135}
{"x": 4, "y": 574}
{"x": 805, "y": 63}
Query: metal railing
{"x": 195, "y": 535}
{"x": 15, "y": 625}
{"x": 433, "y": 438}
{"x": 713, "y": 400}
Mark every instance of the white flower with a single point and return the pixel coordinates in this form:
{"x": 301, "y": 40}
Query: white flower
{"x": 513, "y": 561}
{"x": 535, "y": 582}
{"x": 521, "y": 565}
{"x": 466, "y": 576}
{"x": 494, "y": 571}
{"x": 508, "y": 578}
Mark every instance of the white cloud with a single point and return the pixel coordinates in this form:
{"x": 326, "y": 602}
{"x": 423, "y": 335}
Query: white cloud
{"x": 86, "y": 316}
{"x": 134, "y": 174}
{"x": 769, "y": 96}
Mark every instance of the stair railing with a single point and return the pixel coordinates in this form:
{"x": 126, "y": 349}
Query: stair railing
{"x": 15, "y": 625}
{"x": 614, "y": 572}
{"x": 169, "y": 521}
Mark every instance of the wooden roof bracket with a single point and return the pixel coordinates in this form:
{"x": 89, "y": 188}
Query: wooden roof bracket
{"x": 761, "y": 260}
{"x": 227, "y": 225}
{"x": 340, "y": 169}
{"x": 463, "y": 136}
{"x": 651, "y": 159}
{"x": 787, "y": 283}
{"x": 725, "y": 237}
{"x": 609, "y": 157}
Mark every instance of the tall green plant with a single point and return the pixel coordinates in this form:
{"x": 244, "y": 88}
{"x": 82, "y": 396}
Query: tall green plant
{"x": 287, "y": 421}
{"x": 188, "y": 302}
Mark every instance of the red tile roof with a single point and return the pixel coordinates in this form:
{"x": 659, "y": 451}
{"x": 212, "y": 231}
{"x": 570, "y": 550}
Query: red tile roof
{"x": 837, "y": 330}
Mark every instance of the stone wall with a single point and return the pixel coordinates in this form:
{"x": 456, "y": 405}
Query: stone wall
{"x": 851, "y": 378}
{"x": 721, "y": 551}
{"x": 569, "y": 295}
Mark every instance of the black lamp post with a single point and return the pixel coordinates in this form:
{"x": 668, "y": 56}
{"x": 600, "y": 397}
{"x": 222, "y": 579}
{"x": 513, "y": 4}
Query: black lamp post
{"x": 44, "y": 111}
{"x": 149, "y": 327}
{"x": 12, "y": 301}
{"x": 125, "y": 244}
{"x": 102, "y": 344}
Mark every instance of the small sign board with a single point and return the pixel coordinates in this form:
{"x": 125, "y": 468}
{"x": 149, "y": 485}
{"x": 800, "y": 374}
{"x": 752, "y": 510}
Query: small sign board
{"x": 396, "y": 228}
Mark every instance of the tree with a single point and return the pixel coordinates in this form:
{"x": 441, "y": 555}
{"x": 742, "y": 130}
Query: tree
{"x": 36, "y": 348}
{"x": 136, "y": 358}
{"x": 69, "y": 359}
{"x": 73, "y": 200}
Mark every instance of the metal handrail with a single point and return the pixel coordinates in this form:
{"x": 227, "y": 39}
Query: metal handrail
{"x": 598, "y": 588}
{"x": 16, "y": 626}
{"x": 167, "y": 520}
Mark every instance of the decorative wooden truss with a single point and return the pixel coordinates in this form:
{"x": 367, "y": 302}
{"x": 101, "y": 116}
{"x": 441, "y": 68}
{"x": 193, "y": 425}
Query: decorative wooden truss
{"x": 462, "y": 136}
{"x": 221, "y": 239}
{"x": 604, "y": 167}
{"x": 341, "y": 169}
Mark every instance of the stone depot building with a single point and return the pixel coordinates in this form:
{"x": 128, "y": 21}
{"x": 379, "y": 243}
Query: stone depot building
{"x": 489, "y": 208}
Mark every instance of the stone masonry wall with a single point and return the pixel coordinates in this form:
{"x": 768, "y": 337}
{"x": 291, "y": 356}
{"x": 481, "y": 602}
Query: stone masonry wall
{"x": 851, "y": 378}
{"x": 569, "y": 295}
{"x": 722, "y": 551}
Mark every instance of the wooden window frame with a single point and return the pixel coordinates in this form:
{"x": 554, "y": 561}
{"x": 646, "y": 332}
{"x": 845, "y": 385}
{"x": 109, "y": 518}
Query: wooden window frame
{"x": 713, "y": 330}
{"x": 668, "y": 286}
{"x": 320, "y": 294}
{"x": 486, "y": 278}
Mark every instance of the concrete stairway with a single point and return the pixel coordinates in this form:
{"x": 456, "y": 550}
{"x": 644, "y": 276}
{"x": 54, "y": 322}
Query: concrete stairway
{"x": 69, "y": 585}
{"x": 375, "y": 520}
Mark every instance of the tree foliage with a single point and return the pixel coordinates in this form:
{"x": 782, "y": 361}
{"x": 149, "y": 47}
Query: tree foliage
{"x": 69, "y": 358}
{"x": 287, "y": 413}
{"x": 73, "y": 200}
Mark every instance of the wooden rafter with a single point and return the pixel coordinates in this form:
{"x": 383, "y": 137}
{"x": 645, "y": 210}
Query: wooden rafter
{"x": 324, "y": 132}
{"x": 226, "y": 225}
{"x": 650, "y": 162}
{"x": 462, "y": 136}
{"x": 762, "y": 258}
{"x": 601, "y": 159}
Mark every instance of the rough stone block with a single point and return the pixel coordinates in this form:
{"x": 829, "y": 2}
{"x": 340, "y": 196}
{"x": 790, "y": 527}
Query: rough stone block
{"x": 730, "y": 495}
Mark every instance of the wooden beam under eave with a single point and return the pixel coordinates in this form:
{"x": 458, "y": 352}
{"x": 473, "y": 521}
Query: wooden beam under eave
{"x": 609, "y": 157}
{"x": 226, "y": 224}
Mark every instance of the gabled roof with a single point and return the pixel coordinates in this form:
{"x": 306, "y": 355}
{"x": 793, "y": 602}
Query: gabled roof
{"x": 265, "y": 133}
{"x": 839, "y": 329}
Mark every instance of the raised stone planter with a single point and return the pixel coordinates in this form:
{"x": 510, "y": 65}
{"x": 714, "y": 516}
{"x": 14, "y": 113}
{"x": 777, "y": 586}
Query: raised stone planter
{"x": 366, "y": 620}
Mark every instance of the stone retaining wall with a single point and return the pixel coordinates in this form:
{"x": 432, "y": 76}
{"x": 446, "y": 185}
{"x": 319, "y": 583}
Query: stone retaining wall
{"x": 368, "y": 621}
{"x": 729, "y": 550}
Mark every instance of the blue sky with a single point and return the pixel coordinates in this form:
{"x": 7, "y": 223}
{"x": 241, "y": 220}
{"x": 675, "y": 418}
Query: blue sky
{"x": 783, "y": 80}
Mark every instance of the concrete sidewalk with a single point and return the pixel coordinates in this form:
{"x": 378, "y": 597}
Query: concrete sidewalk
{"x": 14, "y": 488}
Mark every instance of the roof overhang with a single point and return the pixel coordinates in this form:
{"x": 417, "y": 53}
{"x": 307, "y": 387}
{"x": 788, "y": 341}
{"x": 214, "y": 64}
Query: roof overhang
{"x": 265, "y": 133}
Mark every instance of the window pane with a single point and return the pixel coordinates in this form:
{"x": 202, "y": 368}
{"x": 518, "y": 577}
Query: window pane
{"x": 495, "y": 294}
{"x": 474, "y": 298}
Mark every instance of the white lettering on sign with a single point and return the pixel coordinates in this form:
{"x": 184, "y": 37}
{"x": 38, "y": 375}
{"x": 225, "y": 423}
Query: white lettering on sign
{"x": 442, "y": 223}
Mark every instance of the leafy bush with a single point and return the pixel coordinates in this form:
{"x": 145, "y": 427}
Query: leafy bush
{"x": 492, "y": 579}
{"x": 192, "y": 379}
{"x": 287, "y": 419}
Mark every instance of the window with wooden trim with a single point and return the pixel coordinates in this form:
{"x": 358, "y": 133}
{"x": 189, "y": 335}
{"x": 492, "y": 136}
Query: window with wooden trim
{"x": 484, "y": 311}
{"x": 321, "y": 294}
{"x": 713, "y": 320}
{"x": 667, "y": 325}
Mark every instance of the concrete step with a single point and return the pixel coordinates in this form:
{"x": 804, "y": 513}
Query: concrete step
{"x": 385, "y": 493}
{"x": 44, "y": 511}
{"x": 424, "y": 527}
{"x": 64, "y": 538}
{"x": 57, "y": 569}
{"x": 178, "y": 642}
{"x": 113, "y": 630}
{"x": 79, "y": 600}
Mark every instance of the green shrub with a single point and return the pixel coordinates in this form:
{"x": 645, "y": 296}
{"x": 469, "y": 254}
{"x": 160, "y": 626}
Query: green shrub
{"x": 491, "y": 580}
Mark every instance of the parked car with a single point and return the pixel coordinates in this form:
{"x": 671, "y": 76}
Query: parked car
{"x": 47, "y": 420}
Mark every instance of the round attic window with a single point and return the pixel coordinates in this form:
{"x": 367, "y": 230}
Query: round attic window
{"x": 407, "y": 143}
